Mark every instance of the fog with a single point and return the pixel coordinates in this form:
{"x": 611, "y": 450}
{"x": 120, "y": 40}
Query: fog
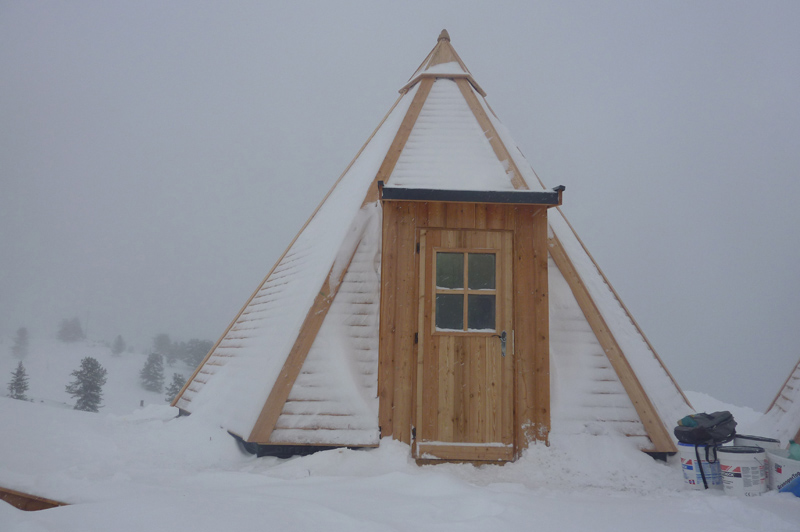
{"x": 156, "y": 158}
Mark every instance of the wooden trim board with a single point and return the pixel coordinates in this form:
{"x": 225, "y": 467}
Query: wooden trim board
{"x": 499, "y": 148}
{"x": 471, "y": 453}
{"x": 26, "y": 501}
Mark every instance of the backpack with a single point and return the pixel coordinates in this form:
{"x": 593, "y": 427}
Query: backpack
{"x": 706, "y": 429}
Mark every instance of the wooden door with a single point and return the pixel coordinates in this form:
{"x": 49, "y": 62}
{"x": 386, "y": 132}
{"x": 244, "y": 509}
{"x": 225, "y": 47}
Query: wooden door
{"x": 465, "y": 382}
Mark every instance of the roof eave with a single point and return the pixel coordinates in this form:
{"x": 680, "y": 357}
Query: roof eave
{"x": 548, "y": 198}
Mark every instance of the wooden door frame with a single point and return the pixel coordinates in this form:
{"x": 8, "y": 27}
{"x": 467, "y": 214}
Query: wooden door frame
{"x": 458, "y": 451}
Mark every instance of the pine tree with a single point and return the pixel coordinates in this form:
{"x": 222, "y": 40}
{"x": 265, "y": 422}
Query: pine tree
{"x": 175, "y": 387}
{"x": 88, "y": 385}
{"x": 196, "y": 350}
{"x": 71, "y": 330}
{"x": 152, "y": 373}
{"x": 118, "y": 346}
{"x": 161, "y": 343}
{"x": 19, "y": 383}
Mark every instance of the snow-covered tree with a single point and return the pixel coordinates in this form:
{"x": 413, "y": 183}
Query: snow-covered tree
{"x": 118, "y": 346}
{"x": 161, "y": 343}
{"x": 19, "y": 383}
{"x": 20, "y": 347}
{"x": 88, "y": 385}
{"x": 152, "y": 374}
{"x": 164, "y": 346}
{"x": 195, "y": 351}
{"x": 70, "y": 330}
{"x": 174, "y": 387}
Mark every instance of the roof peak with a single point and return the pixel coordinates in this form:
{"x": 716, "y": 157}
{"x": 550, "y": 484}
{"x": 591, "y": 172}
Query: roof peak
{"x": 442, "y": 62}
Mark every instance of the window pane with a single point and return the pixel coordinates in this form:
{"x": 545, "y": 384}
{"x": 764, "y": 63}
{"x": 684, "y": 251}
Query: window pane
{"x": 450, "y": 311}
{"x": 450, "y": 270}
{"x": 480, "y": 312}
{"x": 481, "y": 271}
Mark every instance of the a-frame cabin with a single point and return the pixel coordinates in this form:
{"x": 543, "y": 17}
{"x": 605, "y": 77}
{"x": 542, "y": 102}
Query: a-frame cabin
{"x": 782, "y": 419}
{"x": 438, "y": 296}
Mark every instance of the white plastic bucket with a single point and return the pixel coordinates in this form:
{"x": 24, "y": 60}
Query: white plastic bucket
{"x": 758, "y": 441}
{"x": 744, "y": 470}
{"x": 784, "y": 473}
{"x": 692, "y": 476}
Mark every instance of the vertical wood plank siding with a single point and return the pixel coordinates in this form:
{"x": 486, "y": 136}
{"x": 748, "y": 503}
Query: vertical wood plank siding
{"x": 403, "y": 223}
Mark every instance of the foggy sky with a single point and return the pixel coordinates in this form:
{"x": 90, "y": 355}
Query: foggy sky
{"x": 156, "y": 158}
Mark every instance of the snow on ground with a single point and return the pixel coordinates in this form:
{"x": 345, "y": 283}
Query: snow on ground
{"x": 745, "y": 416}
{"x": 148, "y": 470}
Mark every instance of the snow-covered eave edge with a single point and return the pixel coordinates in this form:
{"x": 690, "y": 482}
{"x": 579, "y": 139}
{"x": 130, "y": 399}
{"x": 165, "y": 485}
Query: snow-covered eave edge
{"x": 665, "y": 404}
{"x": 397, "y": 109}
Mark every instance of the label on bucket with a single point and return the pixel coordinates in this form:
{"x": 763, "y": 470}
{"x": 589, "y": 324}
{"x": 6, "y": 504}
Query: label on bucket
{"x": 743, "y": 472}
{"x": 750, "y": 476}
{"x": 694, "y": 478}
{"x": 785, "y": 472}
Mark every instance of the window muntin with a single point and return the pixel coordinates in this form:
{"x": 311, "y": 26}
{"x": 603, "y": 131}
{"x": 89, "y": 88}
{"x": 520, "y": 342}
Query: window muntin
{"x": 465, "y": 291}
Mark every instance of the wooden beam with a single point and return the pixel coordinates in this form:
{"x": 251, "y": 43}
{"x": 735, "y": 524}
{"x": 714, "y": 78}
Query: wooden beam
{"x": 467, "y": 76}
{"x": 399, "y": 142}
{"x": 272, "y": 408}
{"x": 26, "y": 501}
{"x": 622, "y": 304}
{"x": 491, "y": 133}
{"x": 462, "y": 452}
{"x": 644, "y": 407}
{"x": 780, "y": 390}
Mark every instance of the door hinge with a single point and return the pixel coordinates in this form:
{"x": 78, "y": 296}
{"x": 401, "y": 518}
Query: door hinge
{"x": 413, "y": 433}
{"x": 416, "y": 338}
{"x": 417, "y": 247}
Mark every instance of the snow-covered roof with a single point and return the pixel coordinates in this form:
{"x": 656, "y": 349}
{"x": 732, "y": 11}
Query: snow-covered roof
{"x": 235, "y": 379}
{"x": 441, "y": 134}
{"x": 782, "y": 418}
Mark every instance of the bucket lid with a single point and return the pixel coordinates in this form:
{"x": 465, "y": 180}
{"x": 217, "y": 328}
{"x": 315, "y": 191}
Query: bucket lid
{"x": 756, "y": 438}
{"x": 741, "y": 449}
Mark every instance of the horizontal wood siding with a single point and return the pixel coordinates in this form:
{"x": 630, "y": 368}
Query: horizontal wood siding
{"x": 662, "y": 442}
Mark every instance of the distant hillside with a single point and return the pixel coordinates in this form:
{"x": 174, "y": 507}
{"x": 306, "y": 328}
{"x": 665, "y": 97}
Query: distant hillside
{"x": 50, "y": 362}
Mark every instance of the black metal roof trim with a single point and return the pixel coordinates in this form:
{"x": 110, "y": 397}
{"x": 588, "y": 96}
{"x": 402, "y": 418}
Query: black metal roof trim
{"x": 523, "y": 197}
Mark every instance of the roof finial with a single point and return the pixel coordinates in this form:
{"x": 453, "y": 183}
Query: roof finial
{"x": 444, "y": 36}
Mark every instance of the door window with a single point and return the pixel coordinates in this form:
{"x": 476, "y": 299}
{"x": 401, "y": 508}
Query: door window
{"x": 466, "y": 291}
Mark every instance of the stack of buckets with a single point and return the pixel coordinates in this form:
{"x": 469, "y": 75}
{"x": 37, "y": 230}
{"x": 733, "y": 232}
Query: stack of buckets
{"x": 748, "y": 468}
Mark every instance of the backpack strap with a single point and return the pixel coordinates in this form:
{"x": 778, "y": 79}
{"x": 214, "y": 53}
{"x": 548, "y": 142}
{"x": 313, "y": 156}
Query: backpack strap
{"x": 700, "y": 463}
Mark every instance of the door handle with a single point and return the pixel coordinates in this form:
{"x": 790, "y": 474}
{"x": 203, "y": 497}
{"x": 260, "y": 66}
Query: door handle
{"x": 502, "y": 337}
